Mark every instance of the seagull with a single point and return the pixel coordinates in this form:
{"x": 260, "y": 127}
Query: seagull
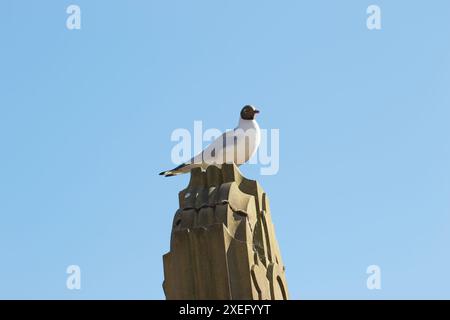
{"x": 233, "y": 146}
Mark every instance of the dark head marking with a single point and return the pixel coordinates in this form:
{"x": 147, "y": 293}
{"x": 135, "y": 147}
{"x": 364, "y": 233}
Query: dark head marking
{"x": 248, "y": 112}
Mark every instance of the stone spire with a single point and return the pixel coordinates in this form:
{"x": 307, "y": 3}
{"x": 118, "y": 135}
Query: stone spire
{"x": 223, "y": 243}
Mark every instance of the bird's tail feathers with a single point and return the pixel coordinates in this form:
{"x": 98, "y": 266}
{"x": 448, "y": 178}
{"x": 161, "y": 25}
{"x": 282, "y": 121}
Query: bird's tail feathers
{"x": 169, "y": 173}
{"x": 174, "y": 172}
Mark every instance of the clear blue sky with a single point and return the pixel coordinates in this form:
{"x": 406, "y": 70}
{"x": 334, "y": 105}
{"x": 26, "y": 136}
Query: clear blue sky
{"x": 86, "y": 117}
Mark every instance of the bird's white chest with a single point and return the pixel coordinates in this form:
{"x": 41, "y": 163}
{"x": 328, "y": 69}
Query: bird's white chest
{"x": 247, "y": 139}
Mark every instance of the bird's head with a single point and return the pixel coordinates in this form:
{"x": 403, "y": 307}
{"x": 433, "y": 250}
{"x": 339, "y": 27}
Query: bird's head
{"x": 249, "y": 112}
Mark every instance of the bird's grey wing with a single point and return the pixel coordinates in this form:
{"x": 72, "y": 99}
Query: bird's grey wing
{"x": 218, "y": 152}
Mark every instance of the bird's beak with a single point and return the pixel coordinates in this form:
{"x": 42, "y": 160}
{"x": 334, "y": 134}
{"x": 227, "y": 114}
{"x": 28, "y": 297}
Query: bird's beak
{"x": 256, "y": 111}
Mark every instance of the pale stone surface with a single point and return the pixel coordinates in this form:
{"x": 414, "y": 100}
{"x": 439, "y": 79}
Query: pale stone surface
{"x": 223, "y": 243}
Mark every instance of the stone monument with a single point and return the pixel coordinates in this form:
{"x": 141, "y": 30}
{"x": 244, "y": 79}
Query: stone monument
{"x": 223, "y": 243}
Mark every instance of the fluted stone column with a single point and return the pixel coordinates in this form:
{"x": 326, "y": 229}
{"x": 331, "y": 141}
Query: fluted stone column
{"x": 223, "y": 243}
